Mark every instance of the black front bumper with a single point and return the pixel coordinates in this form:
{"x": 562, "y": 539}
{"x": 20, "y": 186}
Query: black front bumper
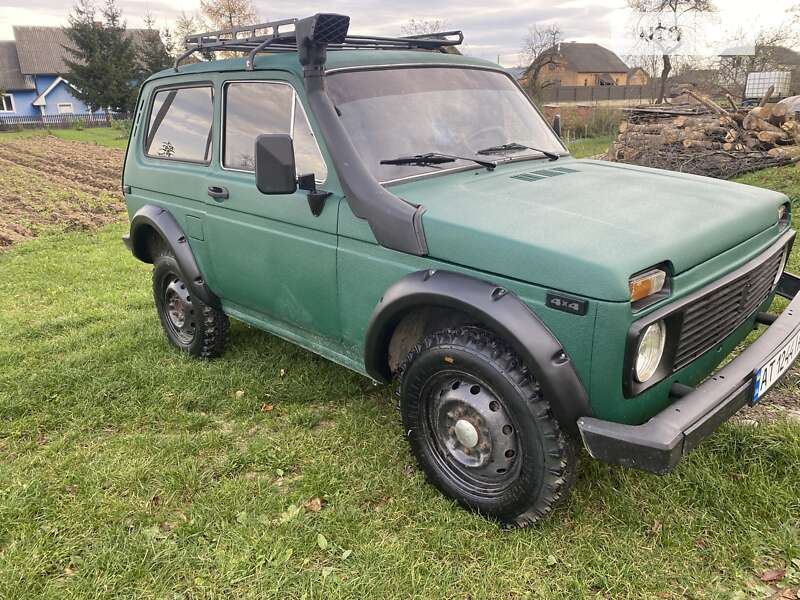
{"x": 658, "y": 445}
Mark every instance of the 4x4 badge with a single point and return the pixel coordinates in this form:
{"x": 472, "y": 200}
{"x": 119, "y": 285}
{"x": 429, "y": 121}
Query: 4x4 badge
{"x": 573, "y": 306}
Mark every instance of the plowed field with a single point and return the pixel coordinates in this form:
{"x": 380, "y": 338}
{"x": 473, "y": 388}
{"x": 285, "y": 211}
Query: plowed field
{"x": 48, "y": 185}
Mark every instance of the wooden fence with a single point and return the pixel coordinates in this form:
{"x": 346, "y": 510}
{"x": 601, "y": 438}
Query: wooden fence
{"x": 11, "y": 123}
{"x": 598, "y": 93}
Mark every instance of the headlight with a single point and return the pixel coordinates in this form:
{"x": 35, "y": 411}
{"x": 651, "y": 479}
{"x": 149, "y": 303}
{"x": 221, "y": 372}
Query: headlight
{"x": 784, "y": 216}
{"x": 650, "y": 351}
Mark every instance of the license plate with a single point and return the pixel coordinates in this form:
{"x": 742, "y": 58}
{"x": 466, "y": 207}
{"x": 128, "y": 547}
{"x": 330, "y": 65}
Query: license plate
{"x": 776, "y": 366}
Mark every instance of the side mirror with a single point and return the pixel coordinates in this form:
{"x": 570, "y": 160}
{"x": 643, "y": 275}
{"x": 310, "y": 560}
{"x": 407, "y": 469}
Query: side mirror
{"x": 275, "y": 168}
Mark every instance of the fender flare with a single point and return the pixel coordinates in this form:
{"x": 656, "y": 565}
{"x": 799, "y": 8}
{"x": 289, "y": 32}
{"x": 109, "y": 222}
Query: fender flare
{"x": 163, "y": 223}
{"x": 498, "y": 309}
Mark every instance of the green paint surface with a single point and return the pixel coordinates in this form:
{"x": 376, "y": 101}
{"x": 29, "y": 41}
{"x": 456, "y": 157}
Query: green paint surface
{"x": 533, "y": 226}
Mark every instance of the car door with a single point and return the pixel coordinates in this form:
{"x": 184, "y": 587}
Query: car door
{"x": 273, "y": 259}
{"x": 170, "y": 156}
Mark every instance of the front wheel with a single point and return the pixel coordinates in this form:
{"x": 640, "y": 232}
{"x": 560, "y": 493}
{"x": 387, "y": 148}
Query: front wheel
{"x": 480, "y": 428}
{"x": 189, "y": 323}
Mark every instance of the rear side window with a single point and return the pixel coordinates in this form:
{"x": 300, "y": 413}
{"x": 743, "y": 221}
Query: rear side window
{"x": 180, "y": 125}
{"x": 253, "y": 108}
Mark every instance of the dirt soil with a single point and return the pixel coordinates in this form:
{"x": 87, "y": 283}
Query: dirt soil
{"x": 783, "y": 402}
{"x": 48, "y": 184}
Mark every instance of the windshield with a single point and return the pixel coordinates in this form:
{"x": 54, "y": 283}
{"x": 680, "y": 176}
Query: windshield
{"x": 395, "y": 112}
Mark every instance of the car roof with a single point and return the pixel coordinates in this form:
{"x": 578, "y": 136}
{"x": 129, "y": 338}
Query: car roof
{"x": 337, "y": 59}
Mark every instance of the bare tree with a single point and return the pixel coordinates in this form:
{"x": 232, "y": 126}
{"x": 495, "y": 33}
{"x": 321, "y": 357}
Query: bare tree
{"x": 768, "y": 54}
{"x": 229, "y": 13}
{"x": 662, "y": 26}
{"x": 647, "y": 61}
{"x": 539, "y": 49}
{"x": 187, "y": 24}
{"x": 423, "y": 26}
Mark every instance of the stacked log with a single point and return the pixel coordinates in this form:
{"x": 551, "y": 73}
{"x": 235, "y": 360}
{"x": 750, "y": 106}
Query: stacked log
{"x": 706, "y": 138}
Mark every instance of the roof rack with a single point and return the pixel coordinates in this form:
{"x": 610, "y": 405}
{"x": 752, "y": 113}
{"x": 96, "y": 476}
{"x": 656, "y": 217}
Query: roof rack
{"x": 329, "y": 30}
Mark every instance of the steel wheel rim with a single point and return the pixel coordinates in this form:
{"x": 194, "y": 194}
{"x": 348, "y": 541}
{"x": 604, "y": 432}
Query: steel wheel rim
{"x": 470, "y": 434}
{"x": 179, "y": 310}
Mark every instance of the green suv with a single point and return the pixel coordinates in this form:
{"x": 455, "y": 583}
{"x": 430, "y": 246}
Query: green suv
{"x": 407, "y": 212}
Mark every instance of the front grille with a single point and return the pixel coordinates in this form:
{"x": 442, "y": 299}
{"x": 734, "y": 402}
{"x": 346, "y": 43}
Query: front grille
{"x": 713, "y": 317}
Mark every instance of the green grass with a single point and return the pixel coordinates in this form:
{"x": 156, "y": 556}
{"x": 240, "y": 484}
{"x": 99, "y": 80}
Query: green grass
{"x": 116, "y": 139}
{"x": 130, "y": 470}
{"x": 104, "y": 136}
{"x": 590, "y": 146}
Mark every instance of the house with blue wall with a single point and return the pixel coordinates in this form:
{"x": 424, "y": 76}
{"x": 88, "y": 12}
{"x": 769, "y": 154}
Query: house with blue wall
{"x": 34, "y": 75}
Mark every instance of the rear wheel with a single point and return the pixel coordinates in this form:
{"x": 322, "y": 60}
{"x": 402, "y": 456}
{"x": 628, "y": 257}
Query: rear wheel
{"x": 480, "y": 428}
{"x": 189, "y": 323}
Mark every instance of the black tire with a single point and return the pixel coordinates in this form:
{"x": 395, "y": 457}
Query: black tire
{"x": 189, "y": 324}
{"x": 510, "y": 461}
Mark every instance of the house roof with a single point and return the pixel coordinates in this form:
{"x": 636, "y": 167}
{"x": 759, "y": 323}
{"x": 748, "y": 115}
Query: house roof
{"x": 517, "y": 72}
{"x": 781, "y": 55}
{"x": 42, "y": 51}
{"x": 11, "y": 77}
{"x": 746, "y": 50}
{"x": 587, "y": 58}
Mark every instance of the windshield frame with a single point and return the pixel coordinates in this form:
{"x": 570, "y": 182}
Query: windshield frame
{"x": 502, "y": 158}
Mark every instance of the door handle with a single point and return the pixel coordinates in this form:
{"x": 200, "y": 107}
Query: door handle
{"x": 218, "y": 192}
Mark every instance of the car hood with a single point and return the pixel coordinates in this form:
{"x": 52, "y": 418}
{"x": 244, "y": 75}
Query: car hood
{"x": 585, "y": 226}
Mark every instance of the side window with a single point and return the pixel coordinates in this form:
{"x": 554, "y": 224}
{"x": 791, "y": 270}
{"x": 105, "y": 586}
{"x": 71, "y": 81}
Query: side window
{"x": 180, "y": 124}
{"x": 306, "y": 150}
{"x": 253, "y": 108}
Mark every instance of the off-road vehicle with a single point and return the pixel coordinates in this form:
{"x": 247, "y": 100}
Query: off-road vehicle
{"x": 407, "y": 212}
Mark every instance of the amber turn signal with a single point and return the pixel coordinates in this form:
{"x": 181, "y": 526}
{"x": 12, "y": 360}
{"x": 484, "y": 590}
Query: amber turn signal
{"x": 649, "y": 283}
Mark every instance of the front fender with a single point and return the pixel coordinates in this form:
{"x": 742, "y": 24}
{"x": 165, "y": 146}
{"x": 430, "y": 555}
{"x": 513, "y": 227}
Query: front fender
{"x": 151, "y": 219}
{"x": 500, "y": 311}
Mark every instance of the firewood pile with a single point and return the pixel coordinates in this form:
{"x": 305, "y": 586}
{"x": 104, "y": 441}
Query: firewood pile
{"x": 705, "y": 138}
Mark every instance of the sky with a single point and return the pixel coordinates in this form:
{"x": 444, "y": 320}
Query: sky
{"x": 493, "y": 29}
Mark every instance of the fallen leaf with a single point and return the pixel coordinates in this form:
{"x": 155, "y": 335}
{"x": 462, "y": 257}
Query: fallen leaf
{"x": 656, "y": 528}
{"x": 771, "y": 575}
{"x": 314, "y": 505}
{"x": 239, "y": 393}
{"x": 266, "y": 407}
{"x": 346, "y": 554}
{"x": 283, "y": 372}
{"x": 322, "y": 541}
{"x": 326, "y": 571}
{"x": 154, "y": 532}
{"x": 69, "y": 571}
{"x": 290, "y": 513}
{"x": 551, "y": 560}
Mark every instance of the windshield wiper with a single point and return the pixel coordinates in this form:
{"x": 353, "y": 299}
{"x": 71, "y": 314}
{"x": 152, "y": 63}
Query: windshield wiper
{"x": 516, "y": 147}
{"x": 435, "y": 158}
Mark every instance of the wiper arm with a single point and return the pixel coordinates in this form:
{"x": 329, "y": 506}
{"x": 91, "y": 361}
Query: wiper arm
{"x": 516, "y": 147}
{"x": 435, "y": 158}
